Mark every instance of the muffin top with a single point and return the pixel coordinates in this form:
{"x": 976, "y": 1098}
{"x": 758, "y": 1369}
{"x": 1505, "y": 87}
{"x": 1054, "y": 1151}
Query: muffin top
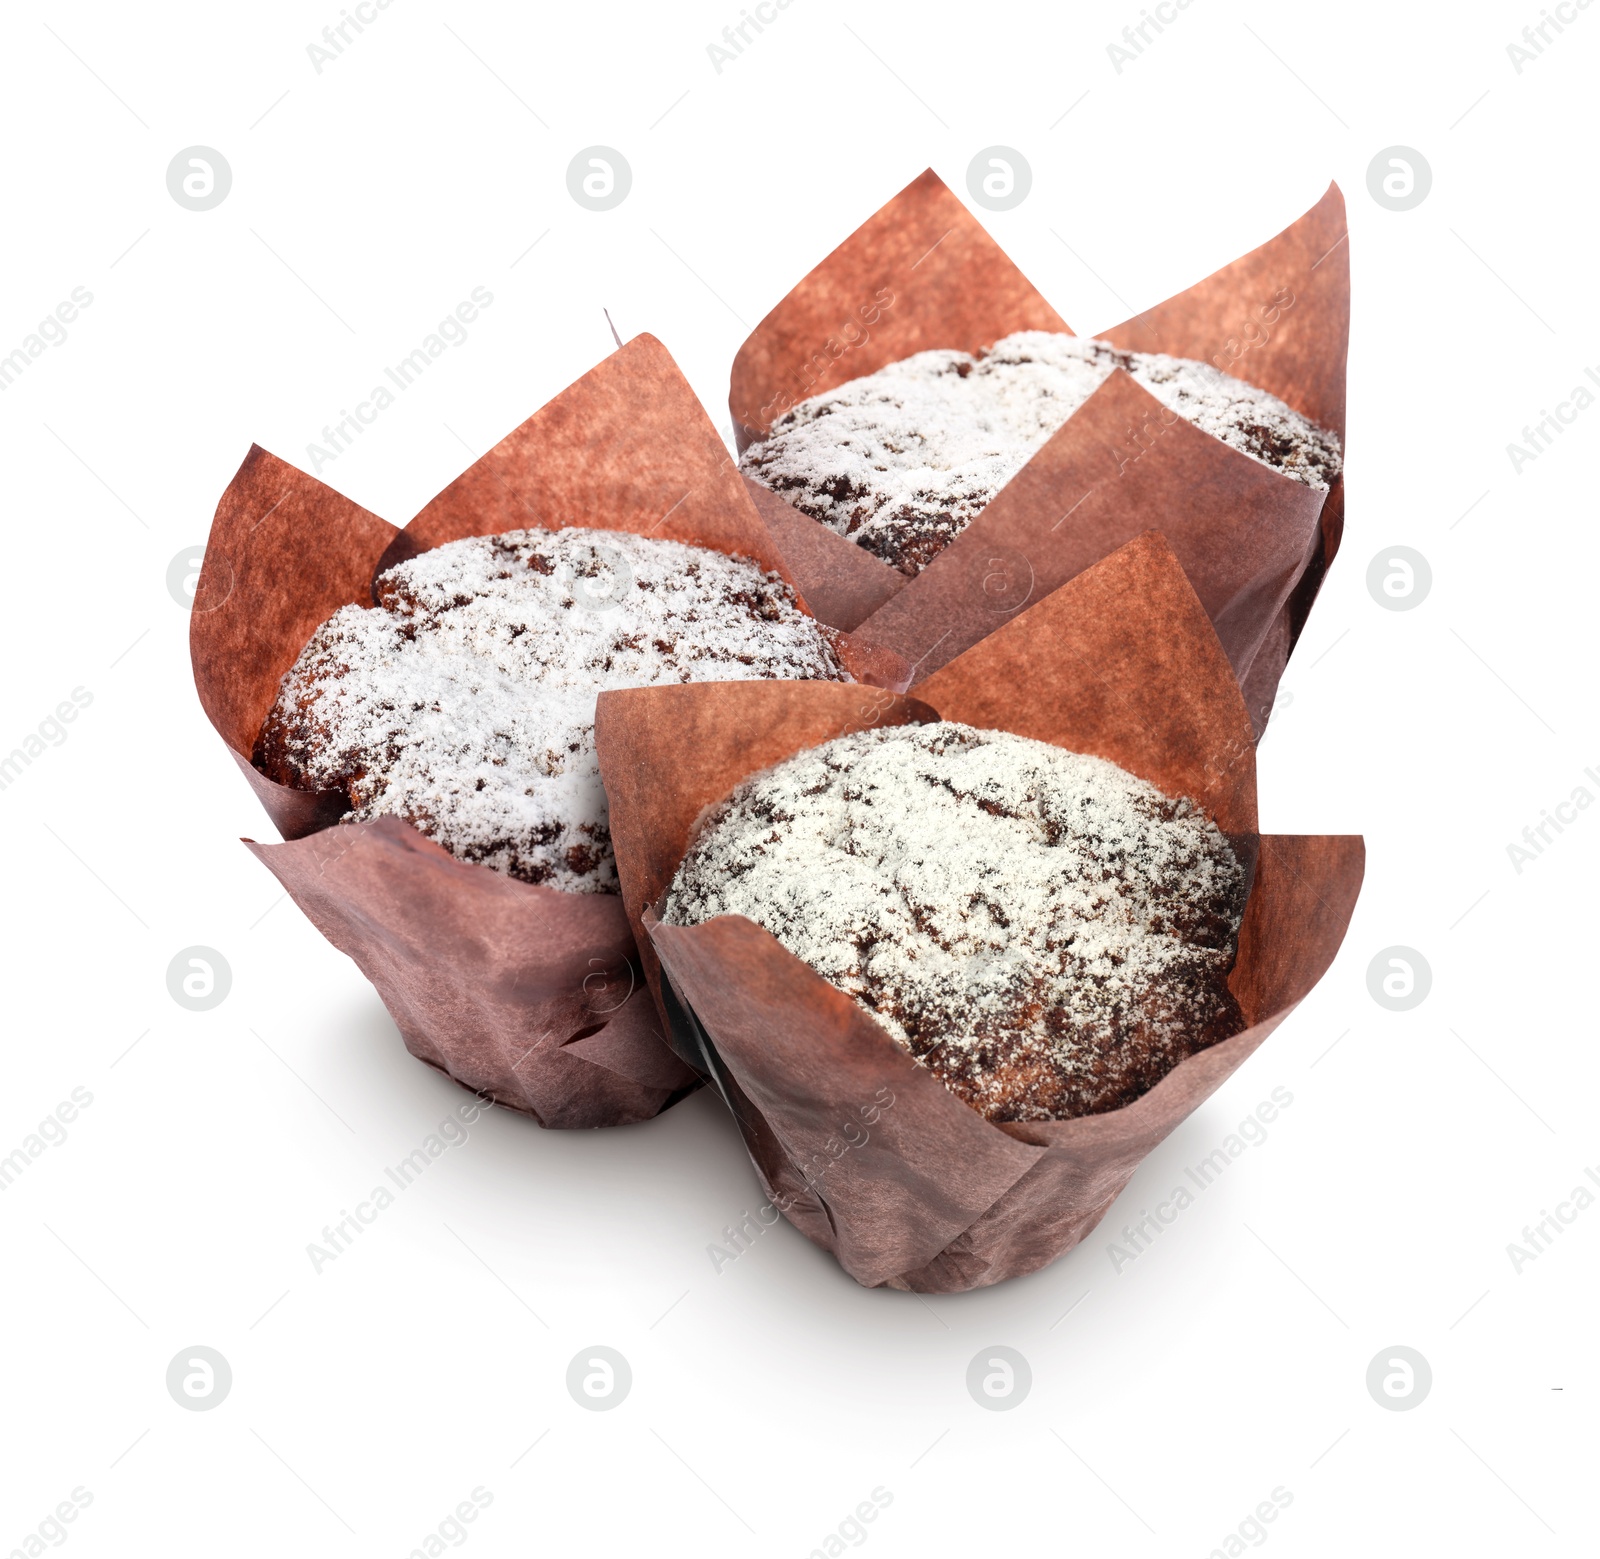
{"x": 464, "y": 701}
{"x": 1046, "y": 932}
{"x": 902, "y": 460}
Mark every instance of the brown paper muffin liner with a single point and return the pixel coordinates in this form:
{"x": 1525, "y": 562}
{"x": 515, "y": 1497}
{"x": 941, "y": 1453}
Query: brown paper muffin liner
{"x": 528, "y": 994}
{"x": 862, "y": 1148}
{"x": 923, "y": 274}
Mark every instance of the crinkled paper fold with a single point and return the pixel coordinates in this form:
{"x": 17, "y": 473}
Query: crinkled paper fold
{"x": 923, "y": 274}
{"x": 527, "y": 993}
{"x": 922, "y": 1192}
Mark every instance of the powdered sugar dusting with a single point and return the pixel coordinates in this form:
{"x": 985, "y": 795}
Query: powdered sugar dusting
{"x": 1047, "y": 932}
{"x": 464, "y": 703}
{"x": 902, "y": 460}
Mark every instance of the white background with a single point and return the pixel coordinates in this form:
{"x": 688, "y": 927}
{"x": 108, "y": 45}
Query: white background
{"x": 771, "y": 1398}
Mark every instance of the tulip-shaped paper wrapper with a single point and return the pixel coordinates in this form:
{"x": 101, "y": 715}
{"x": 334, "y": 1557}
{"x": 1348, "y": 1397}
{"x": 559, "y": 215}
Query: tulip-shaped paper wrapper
{"x": 924, "y": 1193}
{"x": 527, "y": 993}
{"x": 923, "y": 274}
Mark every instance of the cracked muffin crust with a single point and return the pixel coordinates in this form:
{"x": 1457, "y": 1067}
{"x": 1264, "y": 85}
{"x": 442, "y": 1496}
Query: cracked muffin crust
{"x": 464, "y": 701}
{"x": 1044, "y": 931}
{"x": 902, "y": 460}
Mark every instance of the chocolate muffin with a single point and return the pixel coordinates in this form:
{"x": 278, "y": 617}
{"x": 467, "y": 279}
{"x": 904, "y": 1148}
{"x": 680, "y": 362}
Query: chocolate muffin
{"x": 464, "y": 701}
{"x": 1048, "y": 934}
{"x": 902, "y": 460}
